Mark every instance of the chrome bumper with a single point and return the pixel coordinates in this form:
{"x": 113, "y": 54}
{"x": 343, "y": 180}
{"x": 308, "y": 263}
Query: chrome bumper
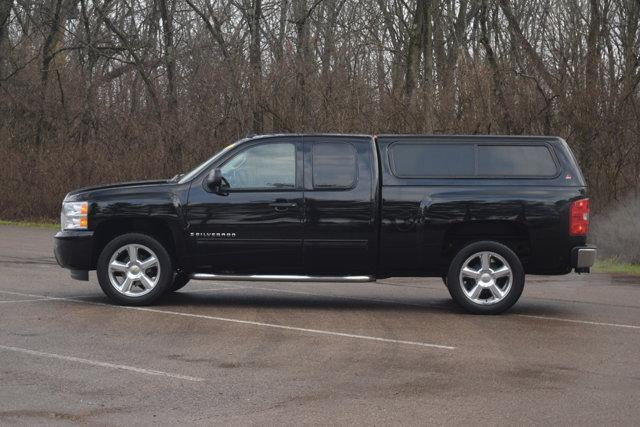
{"x": 583, "y": 258}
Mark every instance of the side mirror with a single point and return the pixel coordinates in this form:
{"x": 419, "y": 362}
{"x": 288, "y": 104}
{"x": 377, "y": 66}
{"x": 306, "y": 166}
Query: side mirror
{"x": 214, "y": 181}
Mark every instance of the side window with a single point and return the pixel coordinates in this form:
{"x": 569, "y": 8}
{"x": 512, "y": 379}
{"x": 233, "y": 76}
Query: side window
{"x": 334, "y": 165}
{"x": 515, "y": 160}
{"x": 433, "y": 160}
{"x": 266, "y": 166}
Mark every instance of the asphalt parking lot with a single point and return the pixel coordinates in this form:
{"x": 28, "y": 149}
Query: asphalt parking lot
{"x": 393, "y": 352}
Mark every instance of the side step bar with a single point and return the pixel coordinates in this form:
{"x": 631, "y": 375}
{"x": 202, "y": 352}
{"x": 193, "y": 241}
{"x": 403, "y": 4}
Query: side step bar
{"x": 281, "y": 278}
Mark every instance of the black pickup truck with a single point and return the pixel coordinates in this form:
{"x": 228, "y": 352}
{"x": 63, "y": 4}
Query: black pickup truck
{"x": 478, "y": 211}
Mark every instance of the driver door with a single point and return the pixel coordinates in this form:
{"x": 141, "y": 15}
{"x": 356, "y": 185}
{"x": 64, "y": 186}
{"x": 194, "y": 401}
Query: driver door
{"x": 255, "y": 225}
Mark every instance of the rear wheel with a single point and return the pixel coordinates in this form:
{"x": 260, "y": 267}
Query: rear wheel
{"x": 486, "y": 278}
{"x": 134, "y": 269}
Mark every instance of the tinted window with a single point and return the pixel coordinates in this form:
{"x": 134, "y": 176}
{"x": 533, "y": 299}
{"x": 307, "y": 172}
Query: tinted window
{"x": 266, "y": 166}
{"x": 334, "y": 165}
{"x": 420, "y": 160}
{"x": 514, "y": 160}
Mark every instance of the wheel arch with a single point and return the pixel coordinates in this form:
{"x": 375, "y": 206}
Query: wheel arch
{"x": 512, "y": 234}
{"x": 109, "y": 229}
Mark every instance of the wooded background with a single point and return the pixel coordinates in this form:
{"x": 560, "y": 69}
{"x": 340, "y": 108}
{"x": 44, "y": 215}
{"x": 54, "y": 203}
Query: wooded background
{"x": 97, "y": 91}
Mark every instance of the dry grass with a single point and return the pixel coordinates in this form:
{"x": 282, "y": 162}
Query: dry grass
{"x": 616, "y": 231}
{"x": 36, "y": 223}
{"x": 611, "y": 265}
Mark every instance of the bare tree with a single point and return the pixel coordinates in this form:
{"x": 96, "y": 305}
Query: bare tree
{"x": 547, "y": 79}
{"x": 83, "y": 82}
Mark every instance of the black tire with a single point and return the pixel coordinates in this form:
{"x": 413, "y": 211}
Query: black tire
{"x": 455, "y": 285}
{"x": 179, "y": 281}
{"x": 164, "y": 270}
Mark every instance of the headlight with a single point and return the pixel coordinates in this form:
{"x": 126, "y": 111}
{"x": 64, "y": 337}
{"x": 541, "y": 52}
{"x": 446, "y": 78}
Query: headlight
{"x": 74, "y": 216}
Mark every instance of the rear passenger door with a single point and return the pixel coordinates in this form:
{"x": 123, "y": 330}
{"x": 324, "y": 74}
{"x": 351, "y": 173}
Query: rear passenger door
{"x": 340, "y": 231}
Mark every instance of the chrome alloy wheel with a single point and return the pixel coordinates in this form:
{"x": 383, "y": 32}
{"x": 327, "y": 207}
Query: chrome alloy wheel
{"x": 134, "y": 270}
{"x": 486, "y": 278}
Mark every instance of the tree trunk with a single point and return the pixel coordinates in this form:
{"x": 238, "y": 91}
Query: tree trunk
{"x": 331, "y": 11}
{"x": 589, "y": 114}
{"x": 282, "y": 28}
{"x": 631, "y": 77}
{"x": 172, "y": 125}
{"x": 397, "y": 49}
{"x": 277, "y": 122}
{"x": 50, "y": 49}
{"x": 55, "y": 37}
{"x": 87, "y": 120}
{"x": 169, "y": 53}
{"x": 5, "y": 12}
{"x": 593, "y": 48}
{"x": 255, "y": 63}
{"x": 497, "y": 78}
{"x": 449, "y": 105}
{"x": 427, "y": 47}
{"x": 302, "y": 56}
{"x": 417, "y": 37}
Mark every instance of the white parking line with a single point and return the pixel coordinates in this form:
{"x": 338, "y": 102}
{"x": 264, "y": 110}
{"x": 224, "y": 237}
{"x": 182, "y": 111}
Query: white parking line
{"x": 215, "y": 289}
{"x": 26, "y": 300}
{"x": 586, "y": 322}
{"x": 294, "y": 328}
{"x": 24, "y": 294}
{"x": 98, "y": 363}
{"x": 250, "y": 322}
{"x": 557, "y": 319}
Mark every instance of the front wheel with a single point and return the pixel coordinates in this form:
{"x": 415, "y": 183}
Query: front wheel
{"x": 134, "y": 269}
{"x": 485, "y": 278}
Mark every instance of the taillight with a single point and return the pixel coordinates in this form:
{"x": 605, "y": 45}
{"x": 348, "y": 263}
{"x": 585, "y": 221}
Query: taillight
{"x": 579, "y": 218}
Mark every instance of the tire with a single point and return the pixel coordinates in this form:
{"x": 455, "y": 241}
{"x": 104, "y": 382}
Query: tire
{"x": 485, "y": 278}
{"x": 140, "y": 282}
{"x": 179, "y": 281}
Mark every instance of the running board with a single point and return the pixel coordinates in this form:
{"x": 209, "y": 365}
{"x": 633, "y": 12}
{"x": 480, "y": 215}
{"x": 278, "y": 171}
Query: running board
{"x": 280, "y": 278}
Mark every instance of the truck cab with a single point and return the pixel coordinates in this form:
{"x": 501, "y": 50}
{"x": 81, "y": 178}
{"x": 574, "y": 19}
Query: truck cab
{"x": 480, "y": 212}
{"x": 287, "y": 205}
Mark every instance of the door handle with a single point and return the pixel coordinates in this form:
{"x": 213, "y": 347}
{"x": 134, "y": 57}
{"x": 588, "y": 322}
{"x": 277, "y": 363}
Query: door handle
{"x": 283, "y": 206}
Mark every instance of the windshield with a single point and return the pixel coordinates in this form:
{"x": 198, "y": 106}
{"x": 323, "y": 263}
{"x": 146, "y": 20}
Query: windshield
{"x": 195, "y": 172}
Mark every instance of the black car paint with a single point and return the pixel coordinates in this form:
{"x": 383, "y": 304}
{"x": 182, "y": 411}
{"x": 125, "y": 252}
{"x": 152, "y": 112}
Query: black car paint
{"x": 341, "y": 225}
{"x": 235, "y": 230}
{"x": 383, "y": 226}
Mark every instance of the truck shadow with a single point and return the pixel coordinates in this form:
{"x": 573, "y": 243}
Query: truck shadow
{"x": 230, "y": 299}
{"x": 337, "y": 302}
{"x": 433, "y": 305}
